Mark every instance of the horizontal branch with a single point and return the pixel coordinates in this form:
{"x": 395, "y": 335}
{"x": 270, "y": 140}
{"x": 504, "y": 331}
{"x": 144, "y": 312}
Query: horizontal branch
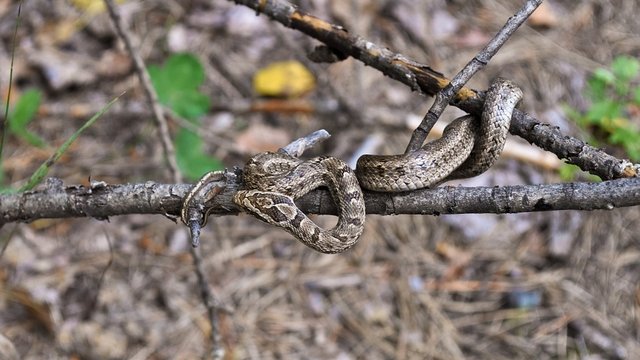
{"x": 420, "y": 77}
{"x": 166, "y": 199}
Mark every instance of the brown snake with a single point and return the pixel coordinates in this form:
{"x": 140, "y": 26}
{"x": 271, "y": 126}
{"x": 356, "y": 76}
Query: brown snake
{"x": 272, "y": 181}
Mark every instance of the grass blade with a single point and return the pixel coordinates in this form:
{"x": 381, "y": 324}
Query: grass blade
{"x": 42, "y": 171}
{"x": 3, "y": 121}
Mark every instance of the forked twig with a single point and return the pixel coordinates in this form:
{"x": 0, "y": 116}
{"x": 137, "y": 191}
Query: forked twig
{"x": 444, "y": 96}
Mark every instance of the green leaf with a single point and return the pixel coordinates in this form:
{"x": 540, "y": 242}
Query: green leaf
{"x": 26, "y": 108}
{"x": 568, "y": 172}
{"x": 622, "y": 90}
{"x": 603, "y": 110}
{"x": 633, "y": 150}
{"x": 193, "y": 162}
{"x": 636, "y": 95}
{"x": 625, "y": 68}
{"x": 611, "y": 93}
{"x": 622, "y": 136}
{"x": 629, "y": 138}
{"x": 161, "y": 83}
{"x": 185, "y": 71}
{"x": 177, "y": 82}
{"x": 604, "y": 75}
{"x": 23, "y": 113}
{"x": 42, "y": 171}
{"x": 598, "y": 82}
{"x": 29, "y": 137}
{"x": 189, "y": 104}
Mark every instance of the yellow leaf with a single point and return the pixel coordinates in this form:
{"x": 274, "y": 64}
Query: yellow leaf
{"x": 284, "y": 79}
{"x": 92, "y": 7}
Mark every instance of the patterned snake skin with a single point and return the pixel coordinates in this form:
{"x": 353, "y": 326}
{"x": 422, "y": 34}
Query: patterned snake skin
{"x": 272, "y": 181}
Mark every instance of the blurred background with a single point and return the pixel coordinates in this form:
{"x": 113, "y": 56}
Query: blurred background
{"x": 540, "y": 285}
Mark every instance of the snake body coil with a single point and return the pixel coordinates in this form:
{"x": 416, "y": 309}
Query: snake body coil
{"x": 466, "y": 148}
{"x": 272, "y": 181}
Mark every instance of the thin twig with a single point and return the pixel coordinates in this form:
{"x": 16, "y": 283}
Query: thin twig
{"x": 152, "y": 97}
{"x": 444, "y": 96}
{"x": 93, "y": 302}
{"x": 169, "y": 153}
{"x": 420, "y": 77}
{"x": 217, "y": 350}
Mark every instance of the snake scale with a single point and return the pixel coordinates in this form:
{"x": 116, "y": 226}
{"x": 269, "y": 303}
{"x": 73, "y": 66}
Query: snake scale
{"x": 273, "y": 180}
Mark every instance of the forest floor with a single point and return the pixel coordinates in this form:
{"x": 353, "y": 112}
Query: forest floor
{"x": 536, "y": 285}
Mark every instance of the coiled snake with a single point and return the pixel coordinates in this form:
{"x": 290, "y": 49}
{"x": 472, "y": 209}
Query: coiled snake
{"x": 272, "y": 181}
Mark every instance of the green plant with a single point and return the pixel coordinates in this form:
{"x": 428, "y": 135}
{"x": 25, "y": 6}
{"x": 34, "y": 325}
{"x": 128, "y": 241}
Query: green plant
{"x": 18, "y": 118}
{"x": 43, "y": 169}
{"x": 177, "y": 83}
{"x": 615, "y": 97}
{"x": 22, "y": 114}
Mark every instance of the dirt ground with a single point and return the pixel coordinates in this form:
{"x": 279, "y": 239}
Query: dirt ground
{"x": 550, "y": 285}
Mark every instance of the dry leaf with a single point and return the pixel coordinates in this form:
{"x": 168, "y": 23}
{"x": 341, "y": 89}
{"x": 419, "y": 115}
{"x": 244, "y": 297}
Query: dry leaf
{"x": 114, "y": 64}
{"x": 284, "y": 79}
{"x": 57, "y": 32}
{"x": 543, "y": 17}
{"x": 91, "y": 7}
{"x": 62, "y": 69}
{"x": 258, "y": 138}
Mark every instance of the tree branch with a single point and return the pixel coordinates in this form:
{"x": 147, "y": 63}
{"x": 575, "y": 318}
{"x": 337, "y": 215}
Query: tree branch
{"x": 166, "y": 199}
{"x": 479, "y": 61}
{"x": 420, "y": 77}
{"x": 101, "y": 201}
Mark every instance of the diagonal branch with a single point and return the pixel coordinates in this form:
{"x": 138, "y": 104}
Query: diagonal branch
{"x": 420, "y": 77}
{"x": 479, "y": 61}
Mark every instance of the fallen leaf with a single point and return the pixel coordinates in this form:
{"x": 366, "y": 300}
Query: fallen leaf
{"x": 284, "y": 79}
{"x": 91, "y": 7}
{"x": 258, "y": 138}
{"x": 543, "y": 17}
{"x": 55, "y": 32}
{"x": 114, "y": 64}
{"x": 62, "y": 69}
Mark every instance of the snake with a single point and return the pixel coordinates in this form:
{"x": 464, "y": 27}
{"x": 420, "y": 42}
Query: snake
{"x": 272, "y": 181}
